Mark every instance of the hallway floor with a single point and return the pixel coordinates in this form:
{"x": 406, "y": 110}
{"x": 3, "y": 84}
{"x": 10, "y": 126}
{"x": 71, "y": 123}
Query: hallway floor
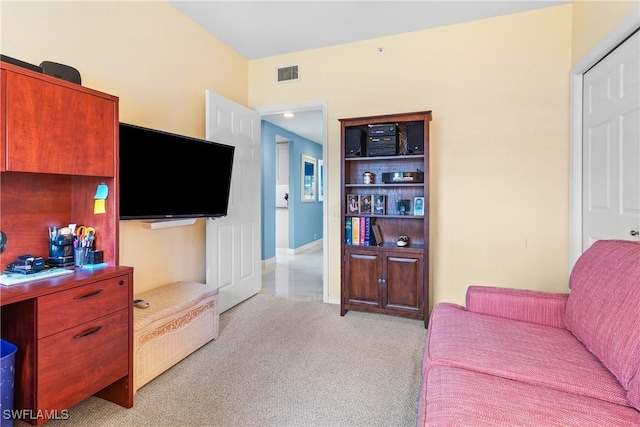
{"x": 296, "y": 276}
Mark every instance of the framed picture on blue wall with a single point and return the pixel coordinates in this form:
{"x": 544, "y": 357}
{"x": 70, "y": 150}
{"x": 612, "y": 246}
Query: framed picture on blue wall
{"x": 320, "y": 180}
{"x": 308, "y": 175}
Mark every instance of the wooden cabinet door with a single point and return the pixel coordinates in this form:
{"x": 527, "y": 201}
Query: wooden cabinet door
{"x": 363, "y": 275}
{"x": 56, "y": 127}
{"x": 80, "y": 361}
{"x": 403, "y": 288}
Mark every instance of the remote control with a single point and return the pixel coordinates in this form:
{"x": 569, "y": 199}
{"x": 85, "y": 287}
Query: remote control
{"x": 141, "y": 303}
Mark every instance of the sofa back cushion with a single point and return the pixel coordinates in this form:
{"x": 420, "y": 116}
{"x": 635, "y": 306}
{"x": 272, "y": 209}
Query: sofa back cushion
{"x": 603, "y": 308}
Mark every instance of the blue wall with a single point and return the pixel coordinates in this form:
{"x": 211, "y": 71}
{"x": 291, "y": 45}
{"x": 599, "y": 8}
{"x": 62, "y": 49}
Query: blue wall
{"x": 305, "y": 219}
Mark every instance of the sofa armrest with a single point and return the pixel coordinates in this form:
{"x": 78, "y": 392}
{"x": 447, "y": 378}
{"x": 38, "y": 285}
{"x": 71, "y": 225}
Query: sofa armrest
{"x": 542, "y": 308}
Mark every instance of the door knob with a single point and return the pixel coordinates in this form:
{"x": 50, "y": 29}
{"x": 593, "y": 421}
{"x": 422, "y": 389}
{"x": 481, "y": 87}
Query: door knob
{"x": 635, "y": 233}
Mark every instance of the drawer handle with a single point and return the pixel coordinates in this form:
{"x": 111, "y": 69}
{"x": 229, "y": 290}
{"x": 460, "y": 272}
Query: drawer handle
{"x": 88, "y": 332}
{"x": 121, "y": 282}
{"x": 88, "y": 295}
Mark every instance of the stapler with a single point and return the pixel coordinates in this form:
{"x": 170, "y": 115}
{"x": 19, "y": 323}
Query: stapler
{"x": 26, "y": 264}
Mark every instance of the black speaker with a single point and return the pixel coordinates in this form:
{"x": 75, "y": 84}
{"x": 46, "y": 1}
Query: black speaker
{"x": 20, "y": 63}
{"x": 61, "y": 71}
{"x": 415, "y": 138}
{"x": 355, "y": 142}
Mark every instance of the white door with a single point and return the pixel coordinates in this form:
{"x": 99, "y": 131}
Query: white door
{"x": 233, "y": 242}
{"x": 611, "y": 146}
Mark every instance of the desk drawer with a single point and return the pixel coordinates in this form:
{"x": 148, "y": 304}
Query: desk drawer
{"x": 65, "y": 309}
{"x": 83, "y": 360}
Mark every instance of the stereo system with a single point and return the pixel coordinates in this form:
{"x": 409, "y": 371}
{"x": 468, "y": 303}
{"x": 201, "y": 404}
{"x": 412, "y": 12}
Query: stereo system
{"x": 384, "y": 140}
{"x": 354, "y": 142}
{"x": 400, "y": 177}
{"x": 415, "y": 138}
{"x": 382, "y": 130}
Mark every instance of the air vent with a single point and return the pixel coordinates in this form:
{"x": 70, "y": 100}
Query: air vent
{"x": 288, "y": 74}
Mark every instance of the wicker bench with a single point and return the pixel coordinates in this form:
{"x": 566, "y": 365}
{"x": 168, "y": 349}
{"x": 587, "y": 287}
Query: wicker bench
{"x": 182, "y": 318}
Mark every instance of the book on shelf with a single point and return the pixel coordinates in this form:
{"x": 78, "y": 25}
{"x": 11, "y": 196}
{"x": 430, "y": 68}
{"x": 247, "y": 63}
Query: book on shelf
{"x": 362, "y": 231}
{"x": 367, "y": 231}
{"x": 373, "y": 240}
{"x": 375, "y": 228}
{"x": 355, "y": 230}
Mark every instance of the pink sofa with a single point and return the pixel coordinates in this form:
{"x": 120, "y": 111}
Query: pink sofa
{"x": 529, "y": 358}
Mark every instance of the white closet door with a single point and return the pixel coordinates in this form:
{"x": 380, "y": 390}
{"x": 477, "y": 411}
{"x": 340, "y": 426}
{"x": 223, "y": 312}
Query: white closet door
{"x": 611, "y": 146}
{"x": 233, "y": 242}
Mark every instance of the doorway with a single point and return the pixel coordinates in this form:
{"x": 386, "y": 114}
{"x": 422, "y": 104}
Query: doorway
{"x": 309, "y": 121}
{"x": 611, "y": 146}
{"x": 576, "y": 172}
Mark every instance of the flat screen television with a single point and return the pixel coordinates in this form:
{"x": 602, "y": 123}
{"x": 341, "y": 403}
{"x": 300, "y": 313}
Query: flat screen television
{"x": 169, "y": 176}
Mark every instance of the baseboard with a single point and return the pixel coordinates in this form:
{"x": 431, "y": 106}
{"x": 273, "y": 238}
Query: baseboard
{"x": 331, "y": 300}
{"x": 268, "y": 265}
{"x": 300, "y": 249}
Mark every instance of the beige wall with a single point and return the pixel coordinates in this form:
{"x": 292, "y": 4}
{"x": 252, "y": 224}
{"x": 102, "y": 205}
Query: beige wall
{"x": 498, "y": 88}
{"x": 593, "y": 20}
{"x": 159, "y": 64}
{"x": 499, "y": 92}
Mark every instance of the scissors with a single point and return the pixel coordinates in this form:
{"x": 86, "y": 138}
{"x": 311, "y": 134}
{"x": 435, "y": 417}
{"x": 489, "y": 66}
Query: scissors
{"x": 83, "y": 232}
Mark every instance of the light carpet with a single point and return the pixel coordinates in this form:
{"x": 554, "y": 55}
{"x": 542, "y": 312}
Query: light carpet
{"x": 281, "y": 362}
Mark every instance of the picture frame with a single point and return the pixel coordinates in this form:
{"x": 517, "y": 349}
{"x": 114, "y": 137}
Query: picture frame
{"x": 418, "y": 206}
{"x": 320, "y": 180}
{"x": 308, "y": 179}
{"x": 403, "y": 207}
{"x": 379, "y": 204}
{"x": 353, "y": 204}
{"x": 366, "y": 204}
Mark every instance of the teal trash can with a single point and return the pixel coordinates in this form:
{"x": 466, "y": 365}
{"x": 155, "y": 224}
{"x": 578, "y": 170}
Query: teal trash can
{"x": 7, "y": 375}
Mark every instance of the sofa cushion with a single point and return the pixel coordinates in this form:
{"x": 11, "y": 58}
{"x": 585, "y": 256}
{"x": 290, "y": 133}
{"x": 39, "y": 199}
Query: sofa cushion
{"x": 603, "y": 308}
{"x": 458, "y": 397}
{"x": 535, "y": 354}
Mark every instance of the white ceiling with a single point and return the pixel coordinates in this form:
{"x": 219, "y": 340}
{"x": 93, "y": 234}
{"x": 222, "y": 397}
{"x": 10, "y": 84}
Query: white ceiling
{"x": 258, "y": 29}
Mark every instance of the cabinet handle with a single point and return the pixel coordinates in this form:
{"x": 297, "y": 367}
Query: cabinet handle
{"x": 88, "y": 295}
{"x": 88, "y": 332}
{"x": 635, "y": 233}
{"x": 121, "y": 282}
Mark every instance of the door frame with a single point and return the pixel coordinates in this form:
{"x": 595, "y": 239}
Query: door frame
{"x": 602, "y": 49}
{"x": 307, "y": 106}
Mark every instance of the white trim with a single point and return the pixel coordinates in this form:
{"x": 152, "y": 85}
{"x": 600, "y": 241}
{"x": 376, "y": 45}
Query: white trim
{"x": 602, "y": 49}
{"x": 300, "y": 249}
{"x": 268, "y": 265}
{"x": 306, "y": 106}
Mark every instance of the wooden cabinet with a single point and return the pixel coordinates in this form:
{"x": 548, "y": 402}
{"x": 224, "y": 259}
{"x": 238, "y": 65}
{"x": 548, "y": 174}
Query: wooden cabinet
{"x": 385, "y": 174}
{"x": 74, "y": 333}
{"x": 3, "y": 119}
{"x": 54, "y": 126}
{"x": 59, "y": 142}
{"x": 74, "y": 336}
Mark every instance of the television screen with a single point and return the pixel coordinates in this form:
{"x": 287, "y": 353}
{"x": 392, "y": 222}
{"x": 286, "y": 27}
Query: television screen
{"x": 164, "y": 175}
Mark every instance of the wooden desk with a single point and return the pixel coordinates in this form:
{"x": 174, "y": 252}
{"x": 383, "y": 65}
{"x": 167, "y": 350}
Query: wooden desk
{"x": 74, "y": 335}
